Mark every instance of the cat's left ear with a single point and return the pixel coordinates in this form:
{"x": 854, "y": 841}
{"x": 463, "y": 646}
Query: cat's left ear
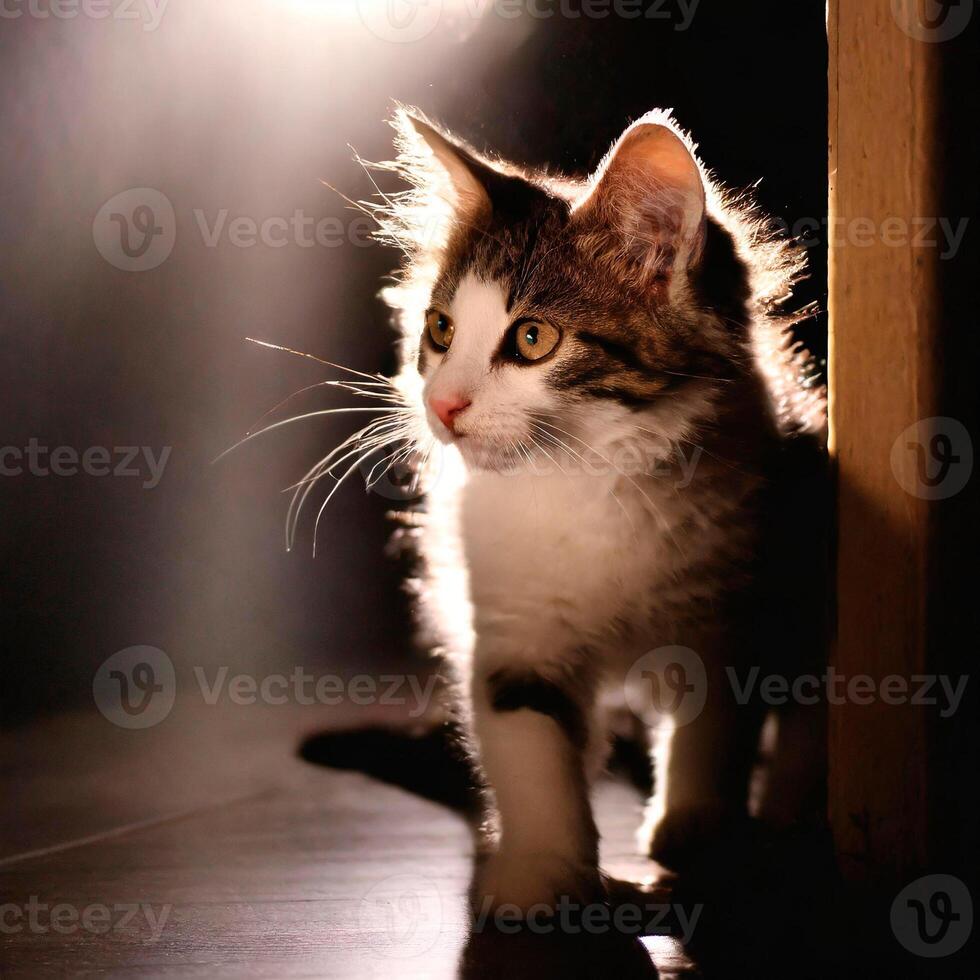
{"x": 648, "y": 201}
{"x": 463, "y": 186}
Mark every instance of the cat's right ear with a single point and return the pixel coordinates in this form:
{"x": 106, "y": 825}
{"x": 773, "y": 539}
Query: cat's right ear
{"x": 451, "y": 170}
{"x": 647, "y": 200}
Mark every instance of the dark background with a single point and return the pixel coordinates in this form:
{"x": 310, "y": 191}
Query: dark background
{"x": 246, "y": 105}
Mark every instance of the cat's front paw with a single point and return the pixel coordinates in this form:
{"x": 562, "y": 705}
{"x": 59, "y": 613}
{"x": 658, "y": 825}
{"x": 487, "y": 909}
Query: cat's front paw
{"x": 528, "y": 879}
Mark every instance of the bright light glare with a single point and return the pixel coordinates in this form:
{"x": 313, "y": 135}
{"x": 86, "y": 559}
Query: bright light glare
{"x": 397, "y": 12}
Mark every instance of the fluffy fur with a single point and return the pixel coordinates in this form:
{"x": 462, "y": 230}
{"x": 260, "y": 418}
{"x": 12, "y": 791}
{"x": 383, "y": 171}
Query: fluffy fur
{"x": 652, "y": 481}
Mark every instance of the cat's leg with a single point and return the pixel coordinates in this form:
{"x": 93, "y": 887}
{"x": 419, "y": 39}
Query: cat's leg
{"x": 794, "y": 787}
{"x": 702, "y": 774}
{"x": 535, "y": 723}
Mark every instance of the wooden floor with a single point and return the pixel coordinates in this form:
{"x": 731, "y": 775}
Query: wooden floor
{"x": 232, "y": 857}
{"x": 207, "y": 847}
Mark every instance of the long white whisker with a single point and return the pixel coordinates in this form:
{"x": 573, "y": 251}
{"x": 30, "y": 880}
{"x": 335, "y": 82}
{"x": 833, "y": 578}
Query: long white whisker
{"x": 559, "y": 443}
{"x": 362, "y": 452}
{"x": 376, "y": 429}
{"x": 526, "y": 453}
{"x": 368, "y": 432}
{"x": 606, "y": 460}
{"x": 399, "y": 455}
{"x": 336, "y": 487}
{"x": 697, "y": 377}
{"x": 344, "y": 385}
{"x": 535, "y": 442}
{"x": 370, "y": 177}
{"x": 313, "y": 357}
{"x": 360, "y": 388}
{"x": 390, "y": 429}
{"x": 367, "y": 209}
{"x": 299, "y": 418}
{"x": 371, "y": 480}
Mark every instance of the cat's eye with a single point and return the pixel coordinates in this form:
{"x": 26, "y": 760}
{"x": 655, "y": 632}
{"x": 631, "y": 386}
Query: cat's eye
{"x": 439, "y": 328}
{"x": 535, "y": 339}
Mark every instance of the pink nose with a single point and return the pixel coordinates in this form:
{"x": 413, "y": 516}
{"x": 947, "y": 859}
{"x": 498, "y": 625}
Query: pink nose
{"x": 448, "y": 408}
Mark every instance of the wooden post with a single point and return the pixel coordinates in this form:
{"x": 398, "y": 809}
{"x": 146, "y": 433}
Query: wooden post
{"x": 885, "y": 332}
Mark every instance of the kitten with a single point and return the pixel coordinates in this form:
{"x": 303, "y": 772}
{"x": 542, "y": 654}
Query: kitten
{"x": 629, "y": 458}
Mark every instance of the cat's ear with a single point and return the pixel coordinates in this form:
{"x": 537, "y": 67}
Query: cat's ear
{"x": 456, "y": 173}
{"x": 647, "y": 201}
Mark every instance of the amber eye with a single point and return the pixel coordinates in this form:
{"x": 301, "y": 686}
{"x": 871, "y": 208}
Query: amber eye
{"x": 440, "y": 329}
{"x": 535, "y": 339}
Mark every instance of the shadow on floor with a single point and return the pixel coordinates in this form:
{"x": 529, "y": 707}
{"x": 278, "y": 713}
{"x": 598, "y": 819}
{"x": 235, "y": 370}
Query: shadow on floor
{"x": 754, "y": 905}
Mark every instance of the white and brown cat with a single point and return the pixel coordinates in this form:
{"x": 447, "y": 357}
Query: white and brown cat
{"x": 571, "y": 345}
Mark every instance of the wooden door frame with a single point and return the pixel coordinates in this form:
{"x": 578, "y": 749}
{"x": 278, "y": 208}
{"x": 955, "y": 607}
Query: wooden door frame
{"x": 890, "y": 783}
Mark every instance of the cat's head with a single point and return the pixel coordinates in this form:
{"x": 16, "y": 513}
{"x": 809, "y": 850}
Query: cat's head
{"x": 533, "y": 306}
